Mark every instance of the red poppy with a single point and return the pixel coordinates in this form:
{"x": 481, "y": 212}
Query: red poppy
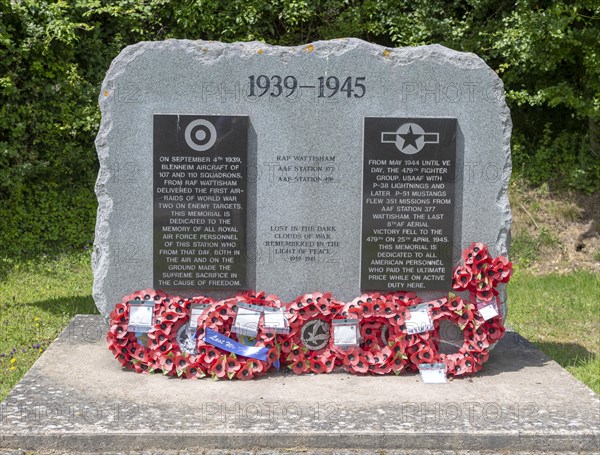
{"x": 502, "y": 269}
{"x": 351, "y": 358}
{"x": 308, "y": 311}
{"x": 153, "y": 361}
{"x": 210, "y": 356}
{"x": 329, "y": 361}
{"x": 194, "y": 371}
{"x": 335, "y": 307}
{"x": 167, "y": 365}
{"x": 158, "y": 337}
{"x": 112, "y": 339}
{"x": 465, "y": 366}
{"x": 272, "y": 356}
{"x": 371, "y": 342}
{"x": 139, "y": 352}
{"x": 486, "y": 295}
{"x": 139, "y": 366}
{"x": 467, "y": 256}
{"x": 389, "y": 309}
{"x": 317, "y": 366}
{"x": 296, "y": 354}
{"x": 293, "y": 305}
{"x": 287, "y": 343}
{"x": 226, "y": 311}
{"x": 246, "y": 372}
{"x": 456, "y": 304}
{"x": 361, "y": 366}
{"x": 467, "y": 315}
{"x": 137, "y": 295}
{"x": 481, "y": 357}
{"x": 120, "y": 351}
{"x": 397, "y": 364}
{"x": 299, "y": 366}
{"x": 160, "y": 294}
{"x": 201, "y": 299}
{"x": 424, "y": 355}
{"x": 119, "y": 330}
{"x": 273, "y": 300}
{"x": 164, "y": 325}
{"x": 374, "y": 358}
{"x": 484, "y": 283}
{"x": 367, "y": 307}
{"x": 233, "y": 366}
{"x": 406, "y": 298}
{"x": 181, "y": 363}
{"x": 481, "y": 345}
{"x": 379, "y": 306}
{"x": 323, "y": 304}
{"x": 384, "y": 368}
{"x": 495, "y": 330}
{"x": 163, "y": 348}
{"x": 479, "y": 250}
{"x": 120, "y": 313}
{"x": 214, "y": 320}
{"x": 257, "y": 367}
{"x": 219, "y": 368}
{"x": 124, "y": 359}
{"x": 292, "y": 315}
{"x": 450, "y": 361}
{"x": 370, "y": 328}
{"x": 461, "y": 278}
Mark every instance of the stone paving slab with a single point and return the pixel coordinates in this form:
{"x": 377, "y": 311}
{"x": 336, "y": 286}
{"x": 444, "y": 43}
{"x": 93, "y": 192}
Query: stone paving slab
{"x": 77, "y": 398}
{"x": 287, "y": 452}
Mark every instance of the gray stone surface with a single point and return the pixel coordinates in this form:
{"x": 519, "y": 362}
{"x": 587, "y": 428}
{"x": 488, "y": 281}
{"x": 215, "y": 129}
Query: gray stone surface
{"x": 299, "y": 451}
{"x": 76, "y": 397}
{"x": 198, "y": 77}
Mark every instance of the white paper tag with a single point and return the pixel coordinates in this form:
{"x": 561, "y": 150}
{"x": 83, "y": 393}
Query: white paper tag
{"x": 196, "y": 311}
{"x": 433, "y": 373}
{"x": 276, "y": 321}
{"x": 246, "y": 322}
{"x": 345, "y": 332}
{"x": 420, "y": 319}
{"x": 487, "y": 310}
{"x": 141, "y": 316}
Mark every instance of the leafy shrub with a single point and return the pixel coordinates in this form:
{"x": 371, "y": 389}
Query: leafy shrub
{"x": 54, "y": 54}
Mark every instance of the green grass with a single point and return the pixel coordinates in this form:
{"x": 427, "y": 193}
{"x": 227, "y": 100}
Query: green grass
{"x": 527, "y": 249}
{"x": 560, "y": 314}
{"x": 37, "y": 299}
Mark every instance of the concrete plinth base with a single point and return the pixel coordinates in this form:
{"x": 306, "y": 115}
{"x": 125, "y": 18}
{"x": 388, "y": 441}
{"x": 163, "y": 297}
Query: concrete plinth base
{"x": 77, "y": 397}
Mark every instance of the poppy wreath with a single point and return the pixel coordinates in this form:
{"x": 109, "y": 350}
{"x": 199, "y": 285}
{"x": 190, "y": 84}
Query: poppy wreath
{"x": 170, "y": 325}
{"x": 220, "y": 364}
{"x": 418, "y": 347}
{"x": 385, "y": 347}
{"x": 308, "y": 346}
{"x": 127, "y": 348}
{"x": 480, "y": 274}
{"x": 382, "y": 348}
{"x": 477, "y": 333}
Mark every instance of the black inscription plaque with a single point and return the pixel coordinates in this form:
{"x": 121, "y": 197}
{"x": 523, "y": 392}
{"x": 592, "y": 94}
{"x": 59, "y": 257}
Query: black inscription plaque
{"x": 408, "y": 203}
{"x": 200, "y": 192}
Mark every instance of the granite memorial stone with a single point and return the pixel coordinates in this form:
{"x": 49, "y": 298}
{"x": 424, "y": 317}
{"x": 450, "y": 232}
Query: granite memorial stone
{"x": 337, "y": 166}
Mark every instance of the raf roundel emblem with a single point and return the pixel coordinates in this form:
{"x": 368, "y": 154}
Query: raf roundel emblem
{"x": 200, "y": 135}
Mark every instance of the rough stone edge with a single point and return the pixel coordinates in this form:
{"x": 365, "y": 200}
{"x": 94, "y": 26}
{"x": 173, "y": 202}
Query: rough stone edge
{"x": 81, "y": 442}
{"x": 210, "y": 52}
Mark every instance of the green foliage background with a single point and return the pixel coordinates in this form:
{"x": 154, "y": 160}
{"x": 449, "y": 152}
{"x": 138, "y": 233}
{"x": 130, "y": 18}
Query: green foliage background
{"x": 53, "y": 56}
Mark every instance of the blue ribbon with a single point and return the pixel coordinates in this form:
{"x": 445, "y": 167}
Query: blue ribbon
{"x": 227, "y": 344}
